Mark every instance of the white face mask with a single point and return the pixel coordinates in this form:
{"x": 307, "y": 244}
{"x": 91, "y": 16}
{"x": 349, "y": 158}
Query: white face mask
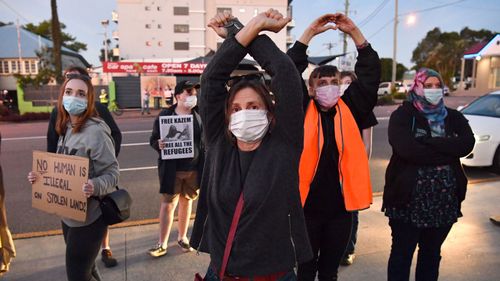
{"x": 343, "y": 87}
{"x": 328, "y": 96}
{"x": 249, "y": 125}
{"x": 433, "y": 96}
{"x": 190, "y": 101}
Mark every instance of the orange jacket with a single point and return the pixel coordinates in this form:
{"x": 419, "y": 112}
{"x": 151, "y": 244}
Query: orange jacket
{"x": 354, "y": 173}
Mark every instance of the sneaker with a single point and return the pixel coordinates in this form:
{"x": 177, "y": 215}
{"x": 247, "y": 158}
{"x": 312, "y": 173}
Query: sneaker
{"x": 348, "y": 259}
{"x": 157, "y": 251}
{"x": 185, "y": 246}
{"x": 107, "y": 258}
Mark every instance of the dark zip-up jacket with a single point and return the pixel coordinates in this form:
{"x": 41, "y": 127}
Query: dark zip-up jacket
{"x": 168, "y": 168}
{"x": 413, "y": 147}
{"x": 325, "y": 197}
{"x": 271, "y": 235}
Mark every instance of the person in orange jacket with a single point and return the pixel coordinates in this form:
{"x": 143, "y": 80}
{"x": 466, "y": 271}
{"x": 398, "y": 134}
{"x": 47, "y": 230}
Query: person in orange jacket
{"x": 333, "y": 172}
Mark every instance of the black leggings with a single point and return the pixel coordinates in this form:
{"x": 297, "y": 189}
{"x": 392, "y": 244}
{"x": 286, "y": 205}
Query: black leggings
{"x": 82, "y": 247}
{"x": 329, "y": 239}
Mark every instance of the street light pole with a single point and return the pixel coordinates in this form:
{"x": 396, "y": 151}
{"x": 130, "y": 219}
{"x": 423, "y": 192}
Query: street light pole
{"x": 105, "y": 24}
{"x": 395, "y": 44}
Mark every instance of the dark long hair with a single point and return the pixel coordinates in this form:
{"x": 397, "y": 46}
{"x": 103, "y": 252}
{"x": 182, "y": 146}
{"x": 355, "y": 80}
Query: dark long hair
{"x": 263, "y": 93}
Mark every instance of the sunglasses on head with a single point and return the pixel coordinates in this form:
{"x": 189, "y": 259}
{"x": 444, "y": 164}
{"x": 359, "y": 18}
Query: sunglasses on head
{"x": 77, "y": 76}
{"x": 249, "y": 77}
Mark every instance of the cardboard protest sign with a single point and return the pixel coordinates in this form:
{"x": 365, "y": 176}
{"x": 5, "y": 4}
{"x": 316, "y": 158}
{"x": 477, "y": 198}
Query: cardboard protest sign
{"x": 176, "y": 132}
{"x": 58, "y": 188}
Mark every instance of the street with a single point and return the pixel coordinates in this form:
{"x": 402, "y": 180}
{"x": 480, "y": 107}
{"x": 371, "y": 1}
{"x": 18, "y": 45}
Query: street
{"x": 138, "y": 168}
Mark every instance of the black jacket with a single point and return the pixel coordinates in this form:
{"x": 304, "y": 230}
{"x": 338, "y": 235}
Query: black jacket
{"x": 409, "y": 153}
{"x": 271, "y": 235}
{"x": 168, "y": 168}
{"x": 102, "y": 111}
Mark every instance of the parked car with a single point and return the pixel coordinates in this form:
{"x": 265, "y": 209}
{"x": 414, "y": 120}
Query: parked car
{"x": 384, "y": 88}
{"x": 446, "y": 90}
{"x": 484, "y": 118}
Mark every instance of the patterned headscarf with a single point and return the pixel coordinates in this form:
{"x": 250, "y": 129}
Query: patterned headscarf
{"x": 435, "y": 114}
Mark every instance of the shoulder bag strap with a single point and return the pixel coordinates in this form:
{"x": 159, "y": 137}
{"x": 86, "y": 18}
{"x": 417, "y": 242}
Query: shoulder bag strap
{"x": 230, "y": 236}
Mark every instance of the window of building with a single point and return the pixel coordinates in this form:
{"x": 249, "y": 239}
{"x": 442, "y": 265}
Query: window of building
{"x": 148, "y": 26}
{"x": 160, "y": 43}
{"x": 181, "y": 11}
{"x": 147, "y": 8}
{"x": 14, "y": 66}
{"x": 181, "y": 28}
{"x": 497, "y": 77}
{"x": 1, "y": 68}
{"x": 181, "y": 46}
{"x": 26, "y": 66}
{"x": 158, "y": 8}
{"x": 33, "y": 67}
{"x": 148, "y": 43}
{"x": 5, "y": 66}
{"x": 222, "y": 9}
{"x": 159, "y": 26}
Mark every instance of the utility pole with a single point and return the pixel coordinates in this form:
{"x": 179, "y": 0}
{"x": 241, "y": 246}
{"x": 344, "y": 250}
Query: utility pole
{"x": 395, "y": 44}
{"x": 345, "y": 35}
{"x": 329, "y": 46}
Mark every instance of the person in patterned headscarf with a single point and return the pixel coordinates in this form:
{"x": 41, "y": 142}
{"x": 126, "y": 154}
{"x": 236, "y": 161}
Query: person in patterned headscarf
{"x": 425, "y": 184}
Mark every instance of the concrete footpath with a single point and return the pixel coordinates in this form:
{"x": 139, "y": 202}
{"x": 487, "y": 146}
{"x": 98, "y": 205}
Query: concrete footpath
{"x": 470, "y": 253}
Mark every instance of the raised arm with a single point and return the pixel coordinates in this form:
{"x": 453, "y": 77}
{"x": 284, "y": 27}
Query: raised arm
{"x": 213, "y": 81}
{"x": 285, "y": 80}
{"x": 361, "y": 95}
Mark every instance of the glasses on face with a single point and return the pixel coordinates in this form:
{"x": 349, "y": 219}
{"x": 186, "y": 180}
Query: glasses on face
{"x": 249, "y": 77}
{"x": 77, "y": 76}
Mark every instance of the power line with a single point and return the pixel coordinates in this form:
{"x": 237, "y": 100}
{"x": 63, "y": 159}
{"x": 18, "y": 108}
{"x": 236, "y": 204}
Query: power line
{"x": 432, "y": 8}
{"x": 15, "y": 12}
{"x": 415, "y": 12}
{"x": 373, "y": 14}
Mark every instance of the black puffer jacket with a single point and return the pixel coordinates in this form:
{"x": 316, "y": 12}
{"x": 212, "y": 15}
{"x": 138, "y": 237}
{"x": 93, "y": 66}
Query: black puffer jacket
{"x": 413, "y": 147}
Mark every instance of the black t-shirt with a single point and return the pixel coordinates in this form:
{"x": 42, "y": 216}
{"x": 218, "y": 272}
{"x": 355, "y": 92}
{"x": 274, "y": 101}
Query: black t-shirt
{"x": 246, "y": 158}
{"x": 325, "y": 194}
{"x": 369, "y": 122}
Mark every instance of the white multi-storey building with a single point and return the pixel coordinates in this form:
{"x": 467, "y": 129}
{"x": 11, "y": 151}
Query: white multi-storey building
{"x": 173, "y": 30}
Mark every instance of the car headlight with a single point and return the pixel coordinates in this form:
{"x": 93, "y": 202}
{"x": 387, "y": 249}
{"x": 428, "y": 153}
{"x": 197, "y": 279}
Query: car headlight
{"x": 482, "y": 138}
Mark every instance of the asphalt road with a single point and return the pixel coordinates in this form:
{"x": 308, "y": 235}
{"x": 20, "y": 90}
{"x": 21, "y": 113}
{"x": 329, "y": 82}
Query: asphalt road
{"x": 138, "y": 169}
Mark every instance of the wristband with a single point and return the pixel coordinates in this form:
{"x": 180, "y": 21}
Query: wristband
{"x": 233, "y": 27}
{"x": 362, "y": 45}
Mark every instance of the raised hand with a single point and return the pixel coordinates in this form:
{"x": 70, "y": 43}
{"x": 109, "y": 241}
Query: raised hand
{"x": 218, "y": 22}
{"x": 271, "y": 20}
{"x": 344, "y": 23}
{"x": 318, "y": 26}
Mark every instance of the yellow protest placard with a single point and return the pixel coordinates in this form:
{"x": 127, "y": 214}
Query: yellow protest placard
{"x": 58, "y": 188}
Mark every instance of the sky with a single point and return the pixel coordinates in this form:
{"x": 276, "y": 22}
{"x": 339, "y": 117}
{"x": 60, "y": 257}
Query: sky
{"x": 83, "y": 21}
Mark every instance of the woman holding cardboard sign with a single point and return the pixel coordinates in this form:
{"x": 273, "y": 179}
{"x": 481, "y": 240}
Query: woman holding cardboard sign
{"x": 83, "y": 134}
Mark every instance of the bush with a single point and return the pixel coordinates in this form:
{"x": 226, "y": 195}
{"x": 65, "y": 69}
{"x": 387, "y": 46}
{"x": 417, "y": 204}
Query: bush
{"x": 30, "y": 116}
{"x": 399, "y": 96}
{"x": 385, "y": 100}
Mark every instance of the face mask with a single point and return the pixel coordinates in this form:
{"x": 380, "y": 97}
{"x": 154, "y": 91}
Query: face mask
{"x": 249, "y": 125}
{"x": 190, "y": 101}
{"x": 433, "y": 96}
{"x": 343, "y": 87}
{"x": 327, "y": 96}
{"x": 74, "y": 105}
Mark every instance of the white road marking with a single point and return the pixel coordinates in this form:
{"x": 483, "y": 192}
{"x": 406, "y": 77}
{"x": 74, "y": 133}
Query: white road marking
{"x": 138, "y": 169}
{"x": 383, "y": 118}
{"x": 135, "y": 144}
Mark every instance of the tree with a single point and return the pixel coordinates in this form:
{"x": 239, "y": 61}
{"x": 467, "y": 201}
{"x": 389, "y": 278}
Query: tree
{"x": 44, "y": 29}
{"x": 110, "y": 53}
{"x": 386, "y": 65}
{"x": 56, "y": 41}
{"x": 443, "y": 51}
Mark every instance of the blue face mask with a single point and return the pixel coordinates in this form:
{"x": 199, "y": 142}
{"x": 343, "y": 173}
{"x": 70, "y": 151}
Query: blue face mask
{"x": 74, "y": 105}
{"x": 433, "y": 96}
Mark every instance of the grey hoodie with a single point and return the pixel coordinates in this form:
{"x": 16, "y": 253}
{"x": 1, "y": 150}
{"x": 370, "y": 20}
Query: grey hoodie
{"x": 94, "y": 142}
